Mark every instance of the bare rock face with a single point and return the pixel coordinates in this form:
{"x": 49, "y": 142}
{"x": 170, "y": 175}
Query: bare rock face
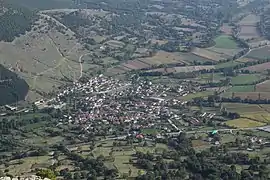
{"x": 24, "y": 178}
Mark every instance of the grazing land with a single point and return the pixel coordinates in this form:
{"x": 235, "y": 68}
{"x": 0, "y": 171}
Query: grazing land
{"x": 248, "y": 88}
{"x": 245, "y": 79}
{"x": 263, "y": 87}
{"x": 244, "y": 123}
{"x": 261, "y": 53}
{"x": 225, "y": 42}
{"x": 259, "y": 67}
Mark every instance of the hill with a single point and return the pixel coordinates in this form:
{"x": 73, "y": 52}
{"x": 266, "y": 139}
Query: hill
{"x": 14, "y": 20}
{"x": 41, "y": 4}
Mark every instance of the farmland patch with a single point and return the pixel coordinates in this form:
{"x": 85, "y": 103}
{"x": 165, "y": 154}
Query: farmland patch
{"x": 245, "y": 79}
{"x": 249, "y": 88}
{"x": 207, "y": 54}
{"x": 258, "y": 67}
{"x": 244, "y": 123}
{"x": 260, "y": 53}
{"x": 263, "y": 87}
{"x": 225, "y": 42}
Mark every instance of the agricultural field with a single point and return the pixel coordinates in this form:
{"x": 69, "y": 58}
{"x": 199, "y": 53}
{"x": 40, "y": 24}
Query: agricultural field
{"x": 245, "y": 59}
{"x": 115, "y": 44}
{"x": 136, "y": 64}
{"x": 227, "y": 64}
{"x": 242, "y": 108}
{"x": 225, "y": 42}
{"x": 182, "y": 69}
{"x": 195, "y": 95}
{"x": 249, "y": 20}
{"x": 247, "y": 88}
{"x": 216, "y": 77}
{"x": 248, "y": 95}
{"x": 258, "y": 67}
{"x": 259, "y": 53}
{"x": 208, "y": 54}
{"x": 189, "y": 57}
{"x": 245, "y": 79}
{"x": 248, "y": 29}
{"x": 263, "y": 86}
{"x": 244, "y": 123}
{"x": 225, "y": 52}
{"x": 163, "y": 57}
{"x": 226, "y": 29}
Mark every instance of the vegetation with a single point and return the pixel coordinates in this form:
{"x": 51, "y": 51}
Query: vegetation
{"x": 14, "y": 21}
{"x": 226, "y": 42}
{"x": 12, "y": 87}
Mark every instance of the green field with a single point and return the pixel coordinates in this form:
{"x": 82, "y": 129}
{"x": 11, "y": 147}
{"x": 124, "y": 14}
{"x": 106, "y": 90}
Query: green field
{"x": 249, "y": 88}
{"x": 227, "y": 64}
{"x": 208, "y": 77}
{"x": 225, "y": 42}
{"x": 261, "y": 53}
{"x": 198, "y": 94}
{"x": 245, "y": 79}
{"x": 244, "y": 123}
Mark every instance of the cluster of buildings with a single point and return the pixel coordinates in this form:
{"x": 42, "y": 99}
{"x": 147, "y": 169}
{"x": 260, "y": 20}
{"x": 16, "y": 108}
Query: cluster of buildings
{"x": 103, "y": 101}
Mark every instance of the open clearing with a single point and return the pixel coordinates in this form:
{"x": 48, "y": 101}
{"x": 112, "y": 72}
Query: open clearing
{"x": 250, "y": 95}
{"x": 260, "y": 53}
{"x": 242, "y": 108}
{"x": 248, "y": 29}
{"x": 226, "y": 42}
{"x": 226, "y": 29}
{"x": 258, "y": 67}
{"x": 263, "y": 87}
{"x": 227, "y": 64}
{"x": 248, "y": 88}
{"x": 198, "y": 94}
{"x": 245, "y": 79}
{"x": 244, "y": 123}
{"x": 163, "y": 57}
{"x": 208, "y": 54}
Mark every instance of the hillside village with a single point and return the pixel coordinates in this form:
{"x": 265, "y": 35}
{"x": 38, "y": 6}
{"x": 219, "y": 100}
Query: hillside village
{"x": 134, "y": 89}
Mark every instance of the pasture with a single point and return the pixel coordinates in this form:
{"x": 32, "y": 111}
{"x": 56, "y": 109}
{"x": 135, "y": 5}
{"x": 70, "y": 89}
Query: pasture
{"x": 248, "y": 88}
{"x": 258, "y": 67}
{"x": 198, "y": 94}
{"x": 245, "y": 79}
{"x": 163, "y": 57}
{"x": 208, "y": 54}
{"x": 259, "y": 53}
{"x": 227, "y": 64}
{"x": 242, "y": 108}
{"x": 189, "y": 57}
{"x": 225, "y": 42}
{"x": 244, "y": 123}
{"x": 251, "y": 95}
{"x": 263, "y": 86}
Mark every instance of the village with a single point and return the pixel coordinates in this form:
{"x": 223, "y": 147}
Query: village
{"x": 133, "y": 106}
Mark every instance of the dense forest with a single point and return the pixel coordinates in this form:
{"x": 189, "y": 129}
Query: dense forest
{"x": 12, "y": 88}
{"x": 14, "y": 21}
{"x": 41, "y": 4}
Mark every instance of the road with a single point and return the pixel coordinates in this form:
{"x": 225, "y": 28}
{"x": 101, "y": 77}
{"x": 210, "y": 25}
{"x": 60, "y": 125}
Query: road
{"x": 80, "y": 61}
{"x": 188, "y": 132}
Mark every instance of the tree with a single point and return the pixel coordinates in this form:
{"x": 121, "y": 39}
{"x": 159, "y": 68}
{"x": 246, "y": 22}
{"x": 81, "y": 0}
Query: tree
{"x": 77, "y": 176}
{"x": 46, "y": 173}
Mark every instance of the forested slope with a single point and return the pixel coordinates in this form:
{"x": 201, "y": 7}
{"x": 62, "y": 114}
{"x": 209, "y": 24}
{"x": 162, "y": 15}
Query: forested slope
{"x": 14, "y": 20}
{"x": 12, "y": 88}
